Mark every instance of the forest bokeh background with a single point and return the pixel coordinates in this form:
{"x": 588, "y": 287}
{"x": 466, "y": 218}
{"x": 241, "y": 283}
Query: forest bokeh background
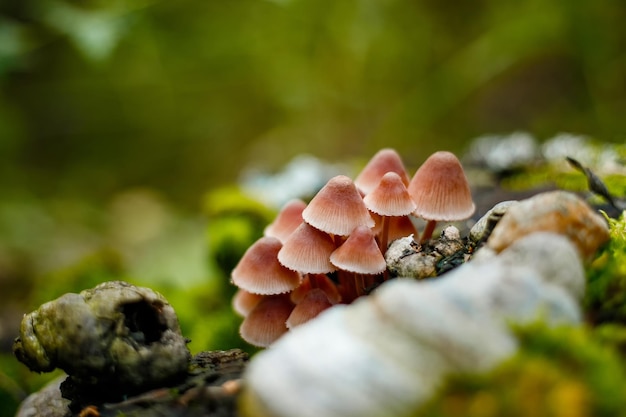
{"x": 118, "y": 118}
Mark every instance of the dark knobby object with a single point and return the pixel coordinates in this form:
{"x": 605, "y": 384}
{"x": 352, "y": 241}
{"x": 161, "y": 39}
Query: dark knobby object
{"x": 113, "y": 341}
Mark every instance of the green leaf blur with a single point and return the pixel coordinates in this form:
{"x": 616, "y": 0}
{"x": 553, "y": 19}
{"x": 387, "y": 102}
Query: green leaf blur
{"x": 124, "y": 124}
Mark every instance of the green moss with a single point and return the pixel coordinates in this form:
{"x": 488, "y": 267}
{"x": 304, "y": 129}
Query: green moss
{"x": 542, "y": 175}
{"x": 616, "y": 184}
{"x": 613, "y": 335}
{"x": 557, "y": 372}
{"x": 235, "y": 221}
{"x": 605, "y": 299}
{"x": 232, "y": 200}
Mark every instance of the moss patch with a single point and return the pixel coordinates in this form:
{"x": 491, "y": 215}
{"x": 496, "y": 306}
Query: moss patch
{"x": 605, "y": 299}
{"x": 557, "y": 372}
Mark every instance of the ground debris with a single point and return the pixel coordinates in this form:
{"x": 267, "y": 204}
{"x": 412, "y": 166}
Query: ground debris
{"x": 209, "y": 390}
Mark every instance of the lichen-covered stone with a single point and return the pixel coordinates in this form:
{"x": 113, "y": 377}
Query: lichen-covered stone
{"x": 409, "y": 259}
{"x": 405, "y": 258}
{"x": 114, "y": 334}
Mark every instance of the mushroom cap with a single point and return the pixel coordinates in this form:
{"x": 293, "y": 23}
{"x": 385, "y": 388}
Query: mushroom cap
{"x": 288, "y": 219}
{"x": 307, "y": 250}
{"x": 266, "y": 321}
{"x": 378, "y": 223}
{"x": 390, "y": 197}
{"x": 440, "y": 189}
{"x": 337, "y": 208}
{"x": 359, "y": 253}
{"x": 385, "y": 160}
{"x": 243, "y": 301}
{"x": 259, "y": 271}
{"x": 313, "y": 303}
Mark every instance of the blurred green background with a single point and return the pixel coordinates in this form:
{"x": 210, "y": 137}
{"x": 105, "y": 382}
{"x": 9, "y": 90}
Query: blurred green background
{"x": 122, "y": 123}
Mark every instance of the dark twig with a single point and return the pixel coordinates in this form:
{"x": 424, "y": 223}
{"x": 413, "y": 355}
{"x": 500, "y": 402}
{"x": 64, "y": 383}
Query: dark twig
{"x": 594, "y": 183}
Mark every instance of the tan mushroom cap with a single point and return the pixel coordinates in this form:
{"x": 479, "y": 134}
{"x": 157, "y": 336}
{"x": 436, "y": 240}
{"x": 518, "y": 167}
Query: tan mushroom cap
{"x": 390, "y": 197}
{"x": 313, "y": 303}
{"x": 378, "y": 223}
{"x": 385, "y": 160}
{"x": 266, "y": 322}
{"x": 359, "y": 253}
{"x": 243, "y": 301}
{"x": 259, "y": 271}
{"x": 288, "y": 219}
{"x": 337, "y": 208}
{"x": 440, "y": 189}
{"x": 307, "y": 250}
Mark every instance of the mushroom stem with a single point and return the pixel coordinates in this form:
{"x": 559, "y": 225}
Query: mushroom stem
{"x": 384, "y": 241}
{"x": 337, "y": 239}
{"x": 313, "y": 281}
{"x": 359, "y": 285}
{"x": 353, "y": 284}
{"x": 346, "y": 286}
{"x": 384, "y": 235}
{"x": 373, "y": 281}
{"x": 428, "y": 231}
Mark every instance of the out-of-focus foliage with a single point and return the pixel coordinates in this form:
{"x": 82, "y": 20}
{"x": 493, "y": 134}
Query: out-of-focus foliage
{"x": 183, "y": 94}
{"x": 550, "y": 167}
{"x": 605, "y": 299}
{"x": 117, "y": 116}
{"x": 203, "y": 306}
{"x": 558, "y": 372}
{"x": 17, "y": 381}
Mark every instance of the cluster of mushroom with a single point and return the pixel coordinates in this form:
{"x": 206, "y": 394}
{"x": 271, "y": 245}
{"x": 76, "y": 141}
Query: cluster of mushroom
{"x": 331, "y": 250}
